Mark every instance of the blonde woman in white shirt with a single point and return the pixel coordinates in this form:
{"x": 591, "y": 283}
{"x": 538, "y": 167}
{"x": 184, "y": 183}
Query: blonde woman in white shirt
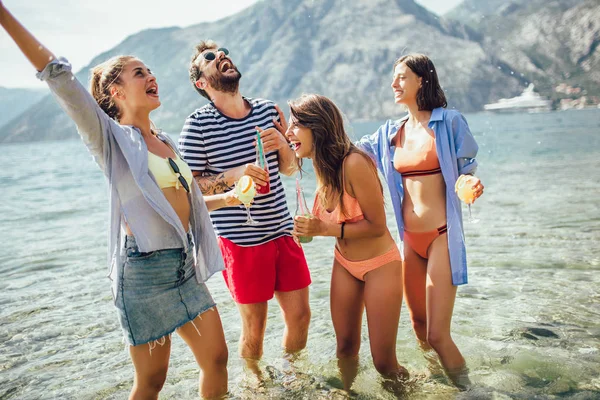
{"x": 162, "y": 245}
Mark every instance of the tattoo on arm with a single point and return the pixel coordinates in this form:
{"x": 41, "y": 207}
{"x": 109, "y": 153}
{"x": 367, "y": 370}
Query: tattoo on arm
{"x": 213, "y": 184}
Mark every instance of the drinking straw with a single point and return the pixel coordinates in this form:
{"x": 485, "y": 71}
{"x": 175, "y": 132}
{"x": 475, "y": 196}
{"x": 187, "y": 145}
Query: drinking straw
{"x": 260, "y": 149}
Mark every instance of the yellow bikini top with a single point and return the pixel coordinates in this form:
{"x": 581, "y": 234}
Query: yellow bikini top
{"x": 164, "y": 174}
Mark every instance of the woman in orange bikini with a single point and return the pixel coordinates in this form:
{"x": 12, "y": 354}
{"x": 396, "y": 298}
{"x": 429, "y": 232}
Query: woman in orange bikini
{"x": 367, "y": 269}
{"x": 422, "y": 156}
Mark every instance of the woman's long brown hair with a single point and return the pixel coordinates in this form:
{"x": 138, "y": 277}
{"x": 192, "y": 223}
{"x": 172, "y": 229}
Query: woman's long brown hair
{"x": 331, "y": 144}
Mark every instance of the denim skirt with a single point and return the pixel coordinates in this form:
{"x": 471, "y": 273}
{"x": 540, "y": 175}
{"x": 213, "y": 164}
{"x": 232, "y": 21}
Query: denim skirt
{"x": 158, "y": 292}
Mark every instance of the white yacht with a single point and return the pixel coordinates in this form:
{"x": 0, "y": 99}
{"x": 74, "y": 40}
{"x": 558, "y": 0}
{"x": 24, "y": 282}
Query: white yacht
{"x": 528, "y": 101}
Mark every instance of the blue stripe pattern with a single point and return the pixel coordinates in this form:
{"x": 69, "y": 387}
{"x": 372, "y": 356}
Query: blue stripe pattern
{"x": 212, "y": 143}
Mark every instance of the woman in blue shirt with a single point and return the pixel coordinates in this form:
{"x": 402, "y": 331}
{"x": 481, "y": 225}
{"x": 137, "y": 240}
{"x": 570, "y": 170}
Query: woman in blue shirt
{"x": 421, "y": 156}
{"x": 162, "y": 247}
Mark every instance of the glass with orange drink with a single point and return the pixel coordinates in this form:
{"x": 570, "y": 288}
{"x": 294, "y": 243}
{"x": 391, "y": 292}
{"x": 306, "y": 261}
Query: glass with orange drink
{"x": 465, "y": 190}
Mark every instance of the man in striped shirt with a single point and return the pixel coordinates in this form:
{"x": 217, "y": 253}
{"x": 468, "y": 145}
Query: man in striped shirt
{"x": 218, "y": 143}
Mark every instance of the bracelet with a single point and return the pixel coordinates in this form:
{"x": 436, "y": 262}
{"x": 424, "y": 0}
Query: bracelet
{"x": 342, "y": 235}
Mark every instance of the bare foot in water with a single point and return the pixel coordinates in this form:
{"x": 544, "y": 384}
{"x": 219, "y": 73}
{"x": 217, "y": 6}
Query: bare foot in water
{"x": 460, "y": 377}
{"x": 398, "y": 384}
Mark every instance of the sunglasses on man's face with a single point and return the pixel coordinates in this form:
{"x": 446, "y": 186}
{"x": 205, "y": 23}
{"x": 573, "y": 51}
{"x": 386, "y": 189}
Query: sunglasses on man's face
{"x": 211, "y": 55}
{"x": 181, "y": 179}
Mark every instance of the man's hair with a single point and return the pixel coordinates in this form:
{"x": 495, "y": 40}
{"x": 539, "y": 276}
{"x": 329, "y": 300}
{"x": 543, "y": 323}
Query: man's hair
{"x": 195, "y": 71}
{"x": 430, "y": 94}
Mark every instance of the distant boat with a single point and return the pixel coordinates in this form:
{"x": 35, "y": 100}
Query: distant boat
{"x": 528, "y": 101}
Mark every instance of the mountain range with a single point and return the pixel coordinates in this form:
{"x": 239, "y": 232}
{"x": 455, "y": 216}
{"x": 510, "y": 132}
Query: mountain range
{"x": 345, "y": 49}
{"x": 549, "y": 42}
{"x": 15, "y": 101}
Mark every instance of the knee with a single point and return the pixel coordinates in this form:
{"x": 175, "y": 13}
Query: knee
{"x": 438, "y": 339}
{"x": 220, "y": 357}
{"x": 254, "y": 325}
{"x": 347, "y": 348}
{"x": 299, "y": 319}
{"x": 420, "y": 328}
{"x": 251, "y": 341}
{"x": 153, "y": 382}
{"x": 386, "y": 366}
{"x": 419, "y": 325}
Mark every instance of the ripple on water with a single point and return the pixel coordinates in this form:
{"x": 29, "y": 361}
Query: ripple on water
{"x": 533, "y": 263}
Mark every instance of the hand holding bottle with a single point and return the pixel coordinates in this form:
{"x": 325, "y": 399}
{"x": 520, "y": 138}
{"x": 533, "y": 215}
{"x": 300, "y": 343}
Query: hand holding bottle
{"x": 302, "y": 212}
{"x": 261, "y": 162}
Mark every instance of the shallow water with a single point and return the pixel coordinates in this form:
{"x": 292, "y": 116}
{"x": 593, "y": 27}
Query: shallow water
{"x": 534, "y": 262}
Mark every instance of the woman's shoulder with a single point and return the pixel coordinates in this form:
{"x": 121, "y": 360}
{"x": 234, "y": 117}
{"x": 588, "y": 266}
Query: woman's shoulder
{"x": 356, "y": 163}
{"x": 359, "y": 170}
{"x": 448, "y": 115}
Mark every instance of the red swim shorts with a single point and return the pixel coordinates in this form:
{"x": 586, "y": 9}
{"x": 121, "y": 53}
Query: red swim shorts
{"x": 254, "y": 273}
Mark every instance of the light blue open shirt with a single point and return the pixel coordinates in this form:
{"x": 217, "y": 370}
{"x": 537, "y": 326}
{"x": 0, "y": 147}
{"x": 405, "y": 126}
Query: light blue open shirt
{"x": 456, "y": 149}
{"x": 135, "y": 197}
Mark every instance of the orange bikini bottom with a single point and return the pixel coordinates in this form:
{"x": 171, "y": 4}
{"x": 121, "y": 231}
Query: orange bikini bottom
{"x": 420, "y": 241}
{"x": 359, "y": 269}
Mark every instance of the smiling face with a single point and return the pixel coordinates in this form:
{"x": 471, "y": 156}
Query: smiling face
{"x": 218, "y": 74}
{"x": 137, "y": 90}
{"x": 301, "y": 139}
{"x": 405, "y": 84}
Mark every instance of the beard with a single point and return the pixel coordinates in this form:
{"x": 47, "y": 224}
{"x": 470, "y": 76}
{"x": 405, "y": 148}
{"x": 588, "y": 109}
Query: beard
{"x": 225, "y": 83}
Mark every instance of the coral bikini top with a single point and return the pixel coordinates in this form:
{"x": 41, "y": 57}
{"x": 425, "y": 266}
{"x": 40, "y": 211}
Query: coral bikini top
{"x": 416, "y": 162}
{"x": 353, "y": 211}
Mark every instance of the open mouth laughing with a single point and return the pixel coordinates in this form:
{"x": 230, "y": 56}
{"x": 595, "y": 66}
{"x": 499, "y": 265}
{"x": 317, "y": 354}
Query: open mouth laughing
{"x": 225, "y": 65}
{"x": 152, "y": 91}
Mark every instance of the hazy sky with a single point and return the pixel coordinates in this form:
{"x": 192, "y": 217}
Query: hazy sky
{"x": 77, "y": 30}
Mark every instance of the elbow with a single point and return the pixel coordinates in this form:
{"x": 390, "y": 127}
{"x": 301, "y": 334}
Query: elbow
{"x": 468, "y": 167}
{"x": 382, "y": 231}
{"x": 210, "y": 205}
{"x": 379, "y": 229}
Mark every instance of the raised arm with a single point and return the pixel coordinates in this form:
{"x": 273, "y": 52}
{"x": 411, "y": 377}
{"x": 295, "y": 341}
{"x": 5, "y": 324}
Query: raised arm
{"x": 91, "y": 121}
{"x": 35, "y": 52}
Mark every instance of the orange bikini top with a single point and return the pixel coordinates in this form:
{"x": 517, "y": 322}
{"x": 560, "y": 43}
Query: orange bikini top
{"x": 416, "y": 162}
{"x": 353, "y": 211}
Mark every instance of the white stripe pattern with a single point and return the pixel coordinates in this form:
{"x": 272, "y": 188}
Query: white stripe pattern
{"x": 213, "y": 143}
